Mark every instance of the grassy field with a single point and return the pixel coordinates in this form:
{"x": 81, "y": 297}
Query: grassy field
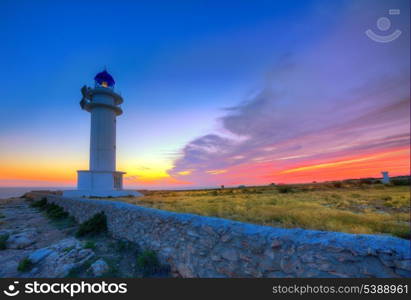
{"x": 354, "y": 208}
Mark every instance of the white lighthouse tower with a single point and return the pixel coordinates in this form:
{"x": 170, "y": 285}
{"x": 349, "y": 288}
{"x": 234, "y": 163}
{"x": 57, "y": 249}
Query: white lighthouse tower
{"x": 102, "y": 180}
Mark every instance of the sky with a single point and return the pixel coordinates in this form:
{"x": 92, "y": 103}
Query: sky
{"x": 215, "y": 92}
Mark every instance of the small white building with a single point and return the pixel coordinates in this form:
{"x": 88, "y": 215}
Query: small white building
{"x": 102, "y": 180}
{"x": 385, "y": 177}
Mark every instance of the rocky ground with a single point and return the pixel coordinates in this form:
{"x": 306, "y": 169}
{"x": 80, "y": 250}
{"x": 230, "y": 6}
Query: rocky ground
{"x": 32, "y": 245}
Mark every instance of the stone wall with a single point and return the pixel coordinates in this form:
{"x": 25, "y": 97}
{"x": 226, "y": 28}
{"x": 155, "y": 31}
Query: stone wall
{"x": 196, "y": 246}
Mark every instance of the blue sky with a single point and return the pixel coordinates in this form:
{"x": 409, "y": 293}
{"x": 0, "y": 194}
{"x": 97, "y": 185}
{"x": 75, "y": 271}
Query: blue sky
{"x": 178, "y": 64}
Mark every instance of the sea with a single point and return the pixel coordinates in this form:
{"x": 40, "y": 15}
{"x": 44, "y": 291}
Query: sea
{"x": 9, "y": 192}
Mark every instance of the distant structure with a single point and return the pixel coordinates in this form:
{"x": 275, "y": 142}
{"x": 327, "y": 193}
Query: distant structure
{"x": 102, "y": 180}
{"x": 385, "y": 177}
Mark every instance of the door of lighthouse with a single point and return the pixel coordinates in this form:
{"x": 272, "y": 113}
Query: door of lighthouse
{"x": 117, "y": 181}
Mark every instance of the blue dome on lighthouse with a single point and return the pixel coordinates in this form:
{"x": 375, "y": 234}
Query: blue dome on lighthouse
{"x": 104, "y": 79}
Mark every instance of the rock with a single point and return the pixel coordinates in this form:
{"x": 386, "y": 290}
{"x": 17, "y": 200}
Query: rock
{"x": 269, "y": 265}
{"x": 21, "y": 240}
{"x": 334, "y": 248}
{"x": 193, "y": 234}
{"x": 226, "y": 238}
{"x": 184, "y": 270}
{"x": 347, "y": 257}
{"x": 371, "y": 266}
{"x": 309, "y": 272}
{"x": 206, "y": 243}
{"x": 5, "y": 231}
{"x": 60, "y": 258}
{"x": 99, "y": 267}
{"x": 209, "y": 230}
{"x": 229, "y": 254}
{"x": 276, "y": 244}
{"x": 251, "y": 270}
{"x": 403, "y": 264}
{"x": 83, "y": 253}
{"x": 64, "y": 270}
{"x": 215, "y": 257}
{"x": 39, "y": 254}
{"x": 291, "y": 265}
{"x": 166, "y": 252}
{"x": 65, "y": 244}
{"x": 403, "y": 273}
{"x": 33, "y": 272}
{"x": 246, "y": 258}
{"x": 307, "y": 257}
{"x": 276, "y": 274}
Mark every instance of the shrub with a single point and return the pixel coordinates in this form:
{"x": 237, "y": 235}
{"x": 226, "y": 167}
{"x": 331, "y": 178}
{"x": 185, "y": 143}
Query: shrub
{"x": 55, "y": 212}
{"x": 41, "y": 204}
{"x": 366, "y": 181}
{"x": 25, "y": 265}
{"x": 97, "y": 224}
{"x": 122, "y": 245}
{"x": 68, "y": 249}
{"x": 89, "y": 245}
{"x": 398, "y": 181}
{"x": 3, "y": 239}
{"x": 337, "y": 184}
{"x": 403, "y": 233}
{"x": 147, "y": 262}
{"x": 79, "y": 270}
{"x": 283, "y": 189}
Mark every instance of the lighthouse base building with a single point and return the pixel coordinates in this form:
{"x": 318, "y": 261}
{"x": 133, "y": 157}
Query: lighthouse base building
{"x": 102, "y": 180}
{"x": 100, "y": 184}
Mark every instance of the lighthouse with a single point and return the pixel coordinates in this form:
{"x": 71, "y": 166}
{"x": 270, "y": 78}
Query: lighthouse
{"x": 102, "y": 179}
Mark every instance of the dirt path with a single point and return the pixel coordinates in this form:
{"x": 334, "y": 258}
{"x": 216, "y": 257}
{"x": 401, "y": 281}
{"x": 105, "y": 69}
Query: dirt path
{"x": 54, "y": 251}
{"x": 28, "y": 230}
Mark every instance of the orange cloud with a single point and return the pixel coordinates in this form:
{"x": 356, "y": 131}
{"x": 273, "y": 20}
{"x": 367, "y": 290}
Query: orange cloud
{"x": 396, "y": 161}
{"x": 184, "y": 172}
{"x": 142, "y": 182}
{"x": 216, "y": 172}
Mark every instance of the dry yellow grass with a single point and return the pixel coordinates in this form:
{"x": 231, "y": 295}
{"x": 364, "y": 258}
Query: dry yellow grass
{"x": 354, "y": 208}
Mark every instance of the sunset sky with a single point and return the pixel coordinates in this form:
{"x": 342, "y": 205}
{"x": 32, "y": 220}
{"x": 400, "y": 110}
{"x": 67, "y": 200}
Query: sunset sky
{"x": 215, "y": 92}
